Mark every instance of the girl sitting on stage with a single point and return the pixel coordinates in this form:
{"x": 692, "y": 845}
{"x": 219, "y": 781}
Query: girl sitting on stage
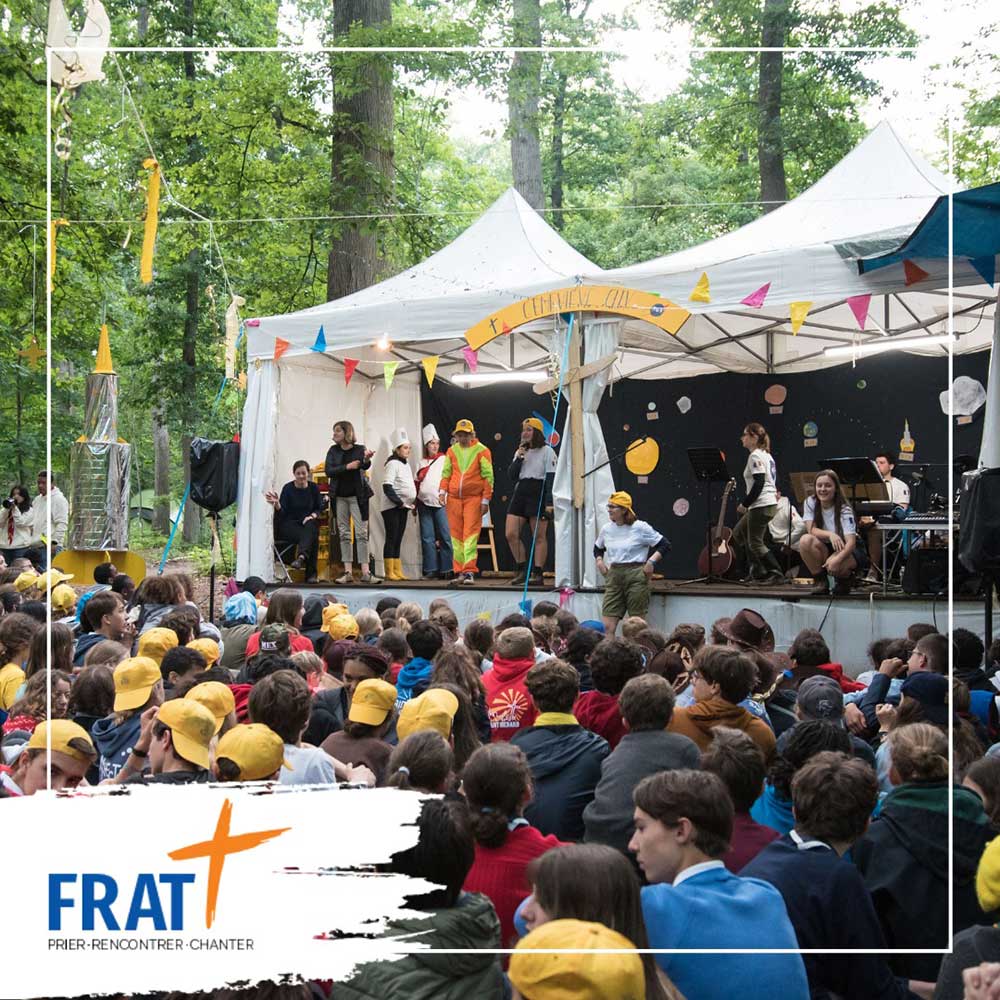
{"x": 830, "y": 544}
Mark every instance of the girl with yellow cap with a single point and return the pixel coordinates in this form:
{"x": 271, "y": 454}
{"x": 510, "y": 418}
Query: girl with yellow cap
{"x": 627, "y": 551}
{"x": 532, "y": 472}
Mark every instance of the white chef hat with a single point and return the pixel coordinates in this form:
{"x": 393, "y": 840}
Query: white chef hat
{"x": 430, "y": 433}
{"x": 398, "y": 437}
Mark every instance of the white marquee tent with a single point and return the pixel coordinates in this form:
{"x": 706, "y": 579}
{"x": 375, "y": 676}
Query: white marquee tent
{"x": 806, "y": 250}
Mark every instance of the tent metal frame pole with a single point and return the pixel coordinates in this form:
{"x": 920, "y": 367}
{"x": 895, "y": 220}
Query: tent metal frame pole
{"x": 770, "y": 352}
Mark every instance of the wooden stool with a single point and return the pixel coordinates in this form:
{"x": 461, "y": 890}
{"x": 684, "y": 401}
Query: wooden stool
{"x": 489, "y": 544}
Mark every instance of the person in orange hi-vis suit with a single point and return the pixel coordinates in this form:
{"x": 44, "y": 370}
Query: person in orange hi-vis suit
{"x": 466, "y": 490}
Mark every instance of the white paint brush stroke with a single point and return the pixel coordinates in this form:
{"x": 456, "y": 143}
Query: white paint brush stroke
{"x": 281, "y": 894}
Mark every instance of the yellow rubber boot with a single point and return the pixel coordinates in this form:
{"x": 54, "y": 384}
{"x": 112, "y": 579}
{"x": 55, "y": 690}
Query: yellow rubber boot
{"x": 399, "y": 570}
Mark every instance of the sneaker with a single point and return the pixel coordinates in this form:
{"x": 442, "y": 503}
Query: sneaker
{"x": 872, "y": 576}
{"x": 520, "y": 576}
{"x": 822, "y": 587}
{"x": 537, "y": 576}
{"x": 370, "y": 581}
{"x": 769, "y": 579}
{"x": 299, "y": 563}
{"x": 345, "y": 579}
{"x": 468, "y": 579}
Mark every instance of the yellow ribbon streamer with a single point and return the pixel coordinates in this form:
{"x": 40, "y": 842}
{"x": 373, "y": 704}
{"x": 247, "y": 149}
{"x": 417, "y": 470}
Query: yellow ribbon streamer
{"x": 55, "y": 225}
{"x": 152, "y": 218}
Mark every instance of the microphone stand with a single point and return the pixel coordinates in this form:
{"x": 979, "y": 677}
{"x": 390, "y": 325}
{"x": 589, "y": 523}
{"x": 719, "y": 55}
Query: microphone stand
{"x": 620, "y": 455}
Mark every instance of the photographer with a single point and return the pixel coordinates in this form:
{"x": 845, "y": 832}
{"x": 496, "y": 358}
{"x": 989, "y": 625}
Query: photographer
{"x": 15, "y": 524}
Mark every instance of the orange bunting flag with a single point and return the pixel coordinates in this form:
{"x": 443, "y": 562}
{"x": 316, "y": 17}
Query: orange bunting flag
{"x": 430, "y": 369}
{"x": 913, "y": 272}
{"x": 349, "y": 365}
{"x": 389, "y": 371}
{"x": 152, "y": 219}
{"x": 797, "y": 312}
{"x": 280, "y": 346}
{"x": 701, "y": 292}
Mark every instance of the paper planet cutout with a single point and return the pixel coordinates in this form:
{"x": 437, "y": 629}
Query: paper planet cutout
{"x": 681, "y": 507}
{"x": 497, "y": 437}
{"x": 684, "y": 404}
{"x": 810, "y": 430}
{"x": 862, "y": 384}
{"x": 966, "y": 396}
{"x": 641, "y": 459}
{"x": 651, "y": 406}
{"x": 553, "y": 439}
{"x": 626, "y": 427}
{"x": 775, "y": 395}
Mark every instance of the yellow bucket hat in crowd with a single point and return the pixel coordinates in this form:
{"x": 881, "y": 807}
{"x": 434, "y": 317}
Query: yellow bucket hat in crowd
{"x": 622, "y": 499}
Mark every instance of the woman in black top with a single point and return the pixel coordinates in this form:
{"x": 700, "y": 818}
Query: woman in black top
{"x": 297, "y": 511}
{"x": 346, "y": 462}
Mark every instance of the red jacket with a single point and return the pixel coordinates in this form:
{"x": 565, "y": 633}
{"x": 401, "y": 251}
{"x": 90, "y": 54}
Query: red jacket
{"x": 498, "y": 872}
{"x": 300, "y": 644}
{"x": 836, "y": 671}
{"x": 241, "y": 695}
{"x": 599, "y": 713}
{"x": 508, "y": 703}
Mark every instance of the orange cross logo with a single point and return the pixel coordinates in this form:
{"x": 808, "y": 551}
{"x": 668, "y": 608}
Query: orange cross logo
{"x": 216, "y": 850}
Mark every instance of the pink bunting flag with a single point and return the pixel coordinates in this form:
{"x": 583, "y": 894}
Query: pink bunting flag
{"x": 349, "y": 365}
{"x": 471, "y": 358}
{"x": 252, "y": 322}
{"x": 859, "y": 306}
{"x": 280, "y": 346}
{"x": 756, "y": 299}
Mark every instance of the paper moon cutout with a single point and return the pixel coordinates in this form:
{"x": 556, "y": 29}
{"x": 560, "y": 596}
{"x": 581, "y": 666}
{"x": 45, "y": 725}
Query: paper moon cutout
{"x": 681, "y": 507}
{"x": 651, "y": 406}
{"x": 775, "y": 395}
{"x": 966, "y": 396}
{"x": 862, "y": 384}
{"x": 684, "y": 404}
{"x": 642, "y": 459}
{"x": 810, "y": 430}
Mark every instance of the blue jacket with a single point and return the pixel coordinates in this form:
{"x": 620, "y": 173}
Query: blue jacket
{"x": 413, "y": 680}
{"x": 716, "y": 909}
{"x": 773, "y": 811}
{"x": 114, "y": 743}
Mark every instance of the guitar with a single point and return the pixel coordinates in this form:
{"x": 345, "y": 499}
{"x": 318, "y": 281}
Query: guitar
{"x": 722, "y": 558}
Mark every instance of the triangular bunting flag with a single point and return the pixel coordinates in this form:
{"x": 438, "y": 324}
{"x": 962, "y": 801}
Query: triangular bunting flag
{"x": 859, "y": 306}
{"x": 756, "y": 299}
{"x": 471, "y": 358}
{"x": 320, "y": 345}
{"x": 430, "y": 368}
{"x": 389, "y": 371}
{"x": 349, "y": 365}
{"x": 797, "y": 312}
{"x": 280, "y": 346}
{"x": 701, "y": 293}
{"x": 505, "y": 328}
{"x": 986, "y": 268}
{"x": 913, "y": 272}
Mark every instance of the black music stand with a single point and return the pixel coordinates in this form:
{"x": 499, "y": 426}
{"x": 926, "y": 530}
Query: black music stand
{"x": 854, "y": 472}
{"x": 709, "y": 466}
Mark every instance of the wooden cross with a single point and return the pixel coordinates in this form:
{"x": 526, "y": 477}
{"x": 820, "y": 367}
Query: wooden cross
{"x": 573, "y": 378}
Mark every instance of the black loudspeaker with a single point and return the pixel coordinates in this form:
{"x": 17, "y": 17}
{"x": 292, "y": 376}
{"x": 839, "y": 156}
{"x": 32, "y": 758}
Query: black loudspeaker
{"x": 926, "y": 571}
{"x": 979, "y": 538}
{"x": 215, "y": 467}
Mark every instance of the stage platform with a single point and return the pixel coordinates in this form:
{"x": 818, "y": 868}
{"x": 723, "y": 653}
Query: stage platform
{"x": 848, "y": 623}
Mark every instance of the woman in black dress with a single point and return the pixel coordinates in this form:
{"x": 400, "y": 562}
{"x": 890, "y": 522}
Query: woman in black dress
{"x": 297, "y": 510}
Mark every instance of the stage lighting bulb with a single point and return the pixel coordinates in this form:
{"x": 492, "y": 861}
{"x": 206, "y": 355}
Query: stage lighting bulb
{"x": 383, "y": 343}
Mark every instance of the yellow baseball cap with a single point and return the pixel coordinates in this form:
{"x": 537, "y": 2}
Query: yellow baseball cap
{"x": 26, "y": 581}
{"x": 156, "y": 643}
{"x": 255, "y": 749}
{"x": 134, "y": 679}
{"x": 63, "y": 598}
{"x": 372, "y": 702}
{"x": 585, "y": 972}
{"x": 988, "y": 876}
{"x": 342, "y": 626}
{"x": 192, "y": 727}
{"x": 434, "y": 709}
{"x": 464, "y": 425}
{"x": 536, "y": 423}
{"x": 67, "y": 738}
{"x": 52, "y": 578}
{"x": 216, "y": 697}
{"x": 208, "y": 648}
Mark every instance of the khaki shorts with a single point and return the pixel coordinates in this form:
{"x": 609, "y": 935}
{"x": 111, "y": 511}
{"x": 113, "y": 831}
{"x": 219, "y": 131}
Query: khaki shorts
{"x": 626, "y": 592}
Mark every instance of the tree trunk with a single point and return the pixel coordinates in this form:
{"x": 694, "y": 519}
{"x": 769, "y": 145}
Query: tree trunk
{"x": 161, "y": 470}
{"x": 770, "y": 145}
{"x": 558, "y": 164}
{"x": 523, "y": 86}
{"x": 361, "y": 161}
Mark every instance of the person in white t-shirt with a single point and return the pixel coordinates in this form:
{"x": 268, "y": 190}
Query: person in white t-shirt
{"x": 899, "y": 494}
{"x": 759, "y": 505}
{"x": 830, "y": 545}
{"x": 435, "y": 538}
{"x": 627, "y": 551}
{"x": 532, "y": 471}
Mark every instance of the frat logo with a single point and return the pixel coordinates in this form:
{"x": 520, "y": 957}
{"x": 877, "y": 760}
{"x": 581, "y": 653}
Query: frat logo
{"x": 104, "y": 904}
{"x": 508, "y": 709}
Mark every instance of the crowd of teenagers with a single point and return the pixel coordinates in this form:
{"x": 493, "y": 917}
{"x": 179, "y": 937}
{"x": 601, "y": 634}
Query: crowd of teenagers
{"x": 697, "y": 790}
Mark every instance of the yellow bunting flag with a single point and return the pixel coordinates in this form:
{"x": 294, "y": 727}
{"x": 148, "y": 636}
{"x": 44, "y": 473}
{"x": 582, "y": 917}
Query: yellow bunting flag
{"x": 430, "y": 369}
{"x": 700, "y": 293}
{"x": 389, "y": 371}
{"x": 280, "y": 346}
{"x": 152, "y": 218}
{"x": 797, "y": 312}
{"x": 56, "y": 223}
